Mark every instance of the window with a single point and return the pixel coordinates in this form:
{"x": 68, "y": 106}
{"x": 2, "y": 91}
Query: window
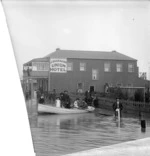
{"x": 119, "y": 67}
{"x": 94, "y": 74}
{"x": 82, "y": 67}
{"x": 130, "y": 67}
{"x": 25, "y": 68}
{"x": 40, "y": 66}
{"x": 69, "y": 66}
{"x": 80, "y": 87}
{"x": 34, "y": 67}
{"x": 107, "y": 67}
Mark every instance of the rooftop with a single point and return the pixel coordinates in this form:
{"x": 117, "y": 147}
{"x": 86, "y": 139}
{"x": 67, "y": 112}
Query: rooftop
{"x": 37, "y": 60}
{"x": 83, "y": 54}
{"x": 104, "y": 55}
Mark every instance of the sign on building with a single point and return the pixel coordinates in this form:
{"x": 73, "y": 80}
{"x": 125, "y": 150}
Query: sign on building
{"x": 58, "y": 65}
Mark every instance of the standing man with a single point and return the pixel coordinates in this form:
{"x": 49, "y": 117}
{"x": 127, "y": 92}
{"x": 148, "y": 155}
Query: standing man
{"x": 117, "y": 105}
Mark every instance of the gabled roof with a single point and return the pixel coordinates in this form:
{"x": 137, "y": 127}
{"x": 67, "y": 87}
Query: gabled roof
{"x": 111, "y": 55}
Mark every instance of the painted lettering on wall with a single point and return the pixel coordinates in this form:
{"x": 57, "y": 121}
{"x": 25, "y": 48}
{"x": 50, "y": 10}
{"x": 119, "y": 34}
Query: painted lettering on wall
{"x": 58, "y": 65}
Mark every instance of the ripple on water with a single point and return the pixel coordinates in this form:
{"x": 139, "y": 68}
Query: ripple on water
{"x": 61, "y": 134}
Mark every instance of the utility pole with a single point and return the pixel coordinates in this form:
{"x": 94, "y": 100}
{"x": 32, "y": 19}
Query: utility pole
{"x": 49, "y": 77}
{"x": 149, "y": 70}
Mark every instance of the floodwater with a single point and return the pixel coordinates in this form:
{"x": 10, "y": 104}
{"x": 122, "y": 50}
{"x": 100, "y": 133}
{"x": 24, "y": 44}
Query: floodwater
{"x": 56, "y": 135}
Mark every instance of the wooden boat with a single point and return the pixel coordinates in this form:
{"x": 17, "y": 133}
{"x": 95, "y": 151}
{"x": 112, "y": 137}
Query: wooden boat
{"x": 57, "y": 110}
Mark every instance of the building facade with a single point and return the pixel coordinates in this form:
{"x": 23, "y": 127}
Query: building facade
{"x": 74, "y": 70}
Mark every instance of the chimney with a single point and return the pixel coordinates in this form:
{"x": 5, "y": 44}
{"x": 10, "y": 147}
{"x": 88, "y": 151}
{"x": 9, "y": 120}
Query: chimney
{"x": 57, "y": 49}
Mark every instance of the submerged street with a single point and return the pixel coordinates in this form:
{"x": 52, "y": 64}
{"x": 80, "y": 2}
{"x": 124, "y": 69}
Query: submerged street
{"x": 63, "y": 134}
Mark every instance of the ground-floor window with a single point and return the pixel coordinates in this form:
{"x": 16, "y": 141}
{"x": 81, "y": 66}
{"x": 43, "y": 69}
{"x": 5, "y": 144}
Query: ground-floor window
{"x": 80, "y": 87}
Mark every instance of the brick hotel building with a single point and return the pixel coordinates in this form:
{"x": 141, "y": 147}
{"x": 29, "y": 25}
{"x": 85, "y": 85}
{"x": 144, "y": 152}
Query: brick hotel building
{"x": 85, "y": 70}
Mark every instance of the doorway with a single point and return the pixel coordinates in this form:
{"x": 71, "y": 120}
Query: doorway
{"x": 92, "y": 89}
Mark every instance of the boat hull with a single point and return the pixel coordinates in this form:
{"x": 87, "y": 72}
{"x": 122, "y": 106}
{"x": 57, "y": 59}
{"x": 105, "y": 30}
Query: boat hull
{"x": 56, "y": 110}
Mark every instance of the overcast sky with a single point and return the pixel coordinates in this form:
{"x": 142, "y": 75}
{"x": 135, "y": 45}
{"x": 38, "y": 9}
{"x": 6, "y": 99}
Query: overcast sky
{"x": 37, "y": 28}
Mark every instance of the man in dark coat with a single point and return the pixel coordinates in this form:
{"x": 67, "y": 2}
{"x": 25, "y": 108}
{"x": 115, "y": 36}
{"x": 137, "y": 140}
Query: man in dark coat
{"x": 65, "y": 99}
{"x": 88, "y": 98}
{"x": 95, "y": 102}
{"x": 41, "y": 100}
{"x": 53, "y": 96}
{"x": 117, "y": 105}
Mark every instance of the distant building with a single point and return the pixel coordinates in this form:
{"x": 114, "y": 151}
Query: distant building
{"x": 143, "y": 75}
{"x": 75, "y": 70}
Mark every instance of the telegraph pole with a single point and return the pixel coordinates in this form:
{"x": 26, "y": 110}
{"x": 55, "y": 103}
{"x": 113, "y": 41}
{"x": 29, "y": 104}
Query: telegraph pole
{"x": 49, "y": 77}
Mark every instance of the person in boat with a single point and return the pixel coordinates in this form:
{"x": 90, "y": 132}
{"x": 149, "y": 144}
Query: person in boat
{"x": 49, "y": 96}
{"x": 95, "y": 101}
{"x": 53, "y": 95}
{"x": 117, "y": 105}
{"x": 76, "y": 103}
{"x": 88, "y": 98}
{"x": 58, "y": 102}
{"x": 66, "y": 100}
{"x": 61, "y": 98}
{"x": 83, "y": 104}
{"x": 42, "y": 100}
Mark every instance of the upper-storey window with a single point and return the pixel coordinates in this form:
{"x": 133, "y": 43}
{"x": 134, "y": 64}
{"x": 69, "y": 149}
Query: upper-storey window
{"x": 25, "y": 68}
{"x": 130, "y": 67}
{"x": 82, "y": 66}
{"x": 40, "y": 66}
{"x": 119, "y": 67}
{"x": 107, "y": 67}
{"x": 95, "y": 74}
{"x": 69, "y": 66}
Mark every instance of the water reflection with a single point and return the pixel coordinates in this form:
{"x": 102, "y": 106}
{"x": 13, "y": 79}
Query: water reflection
{"x": 62, "y": 134}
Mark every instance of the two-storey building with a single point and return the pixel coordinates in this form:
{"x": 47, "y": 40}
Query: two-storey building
{"x": 74, "y": 70}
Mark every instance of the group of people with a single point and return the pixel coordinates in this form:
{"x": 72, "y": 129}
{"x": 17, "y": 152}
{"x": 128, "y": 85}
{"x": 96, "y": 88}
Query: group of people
{"x": 63, "y": 97}
{"x": 65, "y": 101}
{"x": 79, "y": 104}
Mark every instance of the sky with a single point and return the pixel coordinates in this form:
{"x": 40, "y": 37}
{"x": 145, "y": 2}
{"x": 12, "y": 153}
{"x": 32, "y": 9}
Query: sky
{"x": 37, "y": 28}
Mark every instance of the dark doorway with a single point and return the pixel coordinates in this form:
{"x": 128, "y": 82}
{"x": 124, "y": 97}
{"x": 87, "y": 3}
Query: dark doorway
{"x": 92, "y": 89}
